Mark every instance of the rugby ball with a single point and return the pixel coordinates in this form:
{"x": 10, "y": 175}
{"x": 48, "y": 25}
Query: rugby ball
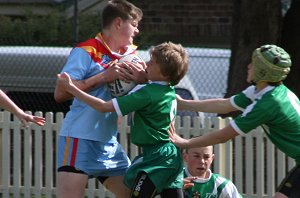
{"x": 120, "y": 87}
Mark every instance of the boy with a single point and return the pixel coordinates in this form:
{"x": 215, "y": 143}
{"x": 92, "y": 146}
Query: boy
{"x": 159, "y": 169}
{"x": 87, "y": 144}
{"x": 267, "y": 103}
{"x": 204, "y": 182}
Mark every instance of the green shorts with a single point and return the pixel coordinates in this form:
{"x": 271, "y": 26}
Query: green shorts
{"x": 162, "y": 162}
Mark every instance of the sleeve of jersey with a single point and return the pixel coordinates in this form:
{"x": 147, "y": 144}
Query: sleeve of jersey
{"x": 131, "y": 102}
{"x": 230, "y": 191}
{"x": 243, "y": 99}
{"x": 77, "y": 64}
{"x": 254, "y": 115}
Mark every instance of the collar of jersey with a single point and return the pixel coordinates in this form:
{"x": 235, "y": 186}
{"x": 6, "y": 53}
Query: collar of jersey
{"x": 129, "y": 48}
{"x": 199, "y": 179}
{"x": 159, "y": 82}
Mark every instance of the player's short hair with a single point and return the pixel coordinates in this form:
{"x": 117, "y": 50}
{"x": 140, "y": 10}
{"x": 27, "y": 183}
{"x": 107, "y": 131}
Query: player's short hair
{"x": 271, "y": 64}
{"x": 120, "y": 8}
{"x": 186, "y": 150}
{"x": 172, "y": 59}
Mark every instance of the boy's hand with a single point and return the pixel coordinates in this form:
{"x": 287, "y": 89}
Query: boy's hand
{"x": 25, "y": 118}
{"x": 135, "y": 72}
{"x": 188, "y": 182}
{"x": 176, "y": 139}
{"x": 64, "y": 81}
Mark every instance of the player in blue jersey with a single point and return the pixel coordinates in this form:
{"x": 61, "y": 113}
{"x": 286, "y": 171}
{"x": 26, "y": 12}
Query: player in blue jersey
{"x": 87, "y": 144}
{"x": 204, "y": 182}
{"x": 159, "y": 169}
{"x": 7, "y": 104}
{"x": 268, "y": 103}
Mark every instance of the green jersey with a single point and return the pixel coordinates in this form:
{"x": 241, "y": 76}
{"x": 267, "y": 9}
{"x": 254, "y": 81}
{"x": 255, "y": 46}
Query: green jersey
{"x": 214, "y": 186}
{"x": 154, "y": 106}
{"x": 277, "y": 110}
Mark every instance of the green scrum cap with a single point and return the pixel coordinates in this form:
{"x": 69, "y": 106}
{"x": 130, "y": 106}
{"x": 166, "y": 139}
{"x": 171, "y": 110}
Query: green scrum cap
{"x": 271, "y": 64}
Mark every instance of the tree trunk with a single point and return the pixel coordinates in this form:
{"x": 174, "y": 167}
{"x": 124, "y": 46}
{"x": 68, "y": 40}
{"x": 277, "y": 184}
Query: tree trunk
{"x": 291, "y": 43}
{"x": 255, "y": 23}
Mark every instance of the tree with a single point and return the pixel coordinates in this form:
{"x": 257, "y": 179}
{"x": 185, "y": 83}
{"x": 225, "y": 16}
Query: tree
{"x": 255, "y": 22}
{"x": 291, "y": 43}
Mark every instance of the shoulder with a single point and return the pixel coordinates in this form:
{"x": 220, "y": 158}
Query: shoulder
{"x": 90, "y": 42}
{"x": 93, "y": 47}
{"x": 222, "y": 180}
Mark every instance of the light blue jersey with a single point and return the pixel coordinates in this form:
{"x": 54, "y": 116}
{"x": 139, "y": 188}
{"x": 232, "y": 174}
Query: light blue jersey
{"x": 82, "y": 121}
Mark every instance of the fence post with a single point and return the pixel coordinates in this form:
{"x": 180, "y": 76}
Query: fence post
{"x": 1, "y": 157}
{"x": 1, "y": 149}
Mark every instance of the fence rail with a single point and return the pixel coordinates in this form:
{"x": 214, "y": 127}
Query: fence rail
{"x": 28, "y": 157}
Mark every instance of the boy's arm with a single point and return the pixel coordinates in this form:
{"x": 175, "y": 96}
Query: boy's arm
{"x": 61, "y": 95}
{"x": 113, "y": 72}
{"x": 212, "y": 138}
{"x": 98, "y": 104}
{"x": 219, "y": 105}
{"x": 7, "y": 104}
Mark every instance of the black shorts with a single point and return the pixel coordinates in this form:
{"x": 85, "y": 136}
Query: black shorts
{"x": 290, "y": 186}
{"x": 72, "y": 169}
{"x": 144, "y": 187}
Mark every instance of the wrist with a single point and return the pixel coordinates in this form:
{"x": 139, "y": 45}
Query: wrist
{"x": 187, "y": 144}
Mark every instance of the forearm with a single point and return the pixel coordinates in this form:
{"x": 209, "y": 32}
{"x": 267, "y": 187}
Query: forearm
{"x": 96, "y": 103}
{"x": 7, "y": 104}
{"x": 209, "y": 105}
{"x": 204, "y": 140}
{"x": 212, "y": 138}
{"x": 86, "y": 85}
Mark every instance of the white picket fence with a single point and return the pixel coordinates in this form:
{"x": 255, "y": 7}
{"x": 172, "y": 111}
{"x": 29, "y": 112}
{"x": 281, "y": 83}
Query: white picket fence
{"x": 28, "y": 158}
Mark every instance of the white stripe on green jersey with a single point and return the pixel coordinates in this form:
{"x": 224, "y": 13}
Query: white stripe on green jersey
{"x": 215, "y": 186}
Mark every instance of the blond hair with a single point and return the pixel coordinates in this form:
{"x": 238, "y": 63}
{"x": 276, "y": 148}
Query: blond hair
{"x": 172, "y": 59}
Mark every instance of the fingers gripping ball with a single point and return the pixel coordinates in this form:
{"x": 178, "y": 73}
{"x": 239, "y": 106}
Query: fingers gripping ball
{"x": 271, "y": 64}
{"x": 120, "y": 87}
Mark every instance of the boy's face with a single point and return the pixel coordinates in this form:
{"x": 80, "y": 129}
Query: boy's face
{"x": 198, "y": 160}
{"x": 153, "y": 71}
{"x": 250, "y": 73}
{"x": 127, "y": 31}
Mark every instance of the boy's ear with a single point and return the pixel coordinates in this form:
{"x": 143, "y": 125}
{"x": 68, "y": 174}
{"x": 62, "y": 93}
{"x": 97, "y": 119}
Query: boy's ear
{"x": 117, "y": 23}
{"x": 213, "y": 156}
{"x": 184, "y": 156}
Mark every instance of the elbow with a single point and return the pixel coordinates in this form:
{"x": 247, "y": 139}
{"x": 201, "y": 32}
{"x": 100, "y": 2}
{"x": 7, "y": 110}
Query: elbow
{"x": 58, "y": 99}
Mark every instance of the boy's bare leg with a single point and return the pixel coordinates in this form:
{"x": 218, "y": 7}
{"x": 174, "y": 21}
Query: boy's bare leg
{"x": 115, "y": 184}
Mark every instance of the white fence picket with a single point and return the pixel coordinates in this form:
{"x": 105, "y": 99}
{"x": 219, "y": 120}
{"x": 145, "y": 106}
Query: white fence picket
{"x": 5, "y": 126}
{"x": 259, "y": 164}
{"x": 16, "y": 158}
{"x": 38, "y": 160}
{"x": 271, "y": 168}
{"x": 49, "y": 137}
{"x": 238, "y": 162}
{"x": 27, "y": 162}
{"x": 27, "y": 158}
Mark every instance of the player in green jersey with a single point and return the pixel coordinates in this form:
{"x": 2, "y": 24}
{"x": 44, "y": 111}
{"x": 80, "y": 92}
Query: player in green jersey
{"x": 159, "y": 169}
{"x": 204, "y": 182}
{"x": 267, "y": 103}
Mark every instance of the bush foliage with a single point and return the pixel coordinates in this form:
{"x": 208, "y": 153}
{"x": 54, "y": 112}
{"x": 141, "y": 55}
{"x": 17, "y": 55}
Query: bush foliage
{"x": 48, "y": 30}
{"x": 53, "y": 30}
